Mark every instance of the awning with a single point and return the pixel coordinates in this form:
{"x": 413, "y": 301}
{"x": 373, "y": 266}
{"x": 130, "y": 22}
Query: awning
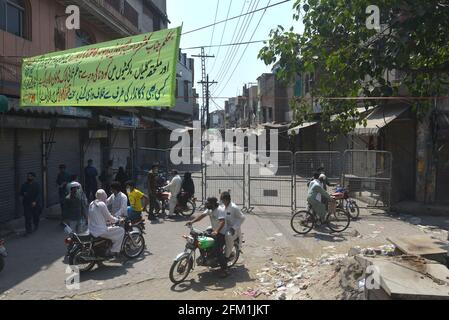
{"x": 296, "y": 130}
{"x": 277, "y": 126}
{"x": 361, "y": 110}
{"x": 172, "y": 126}
{"x": 378, "y": 119}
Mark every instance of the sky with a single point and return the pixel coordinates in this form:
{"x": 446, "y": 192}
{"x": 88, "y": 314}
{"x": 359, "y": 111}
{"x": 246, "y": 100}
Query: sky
{"x": 193, "y": 14}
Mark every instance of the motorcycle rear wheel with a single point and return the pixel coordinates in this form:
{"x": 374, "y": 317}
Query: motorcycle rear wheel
{"x": 75, "y": 259}
{"x": 353, "y": 209}
{"x": 189, "y": 209}
{"x": 181, "y": 267}
{"x": 235, "y": 255}
{"x": 132, "y": 251}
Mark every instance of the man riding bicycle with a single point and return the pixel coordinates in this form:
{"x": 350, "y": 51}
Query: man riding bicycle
{"x": 316, "y": 192}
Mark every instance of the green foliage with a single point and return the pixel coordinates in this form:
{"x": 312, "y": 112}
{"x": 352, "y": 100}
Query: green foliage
{"x": 351, "y": 60}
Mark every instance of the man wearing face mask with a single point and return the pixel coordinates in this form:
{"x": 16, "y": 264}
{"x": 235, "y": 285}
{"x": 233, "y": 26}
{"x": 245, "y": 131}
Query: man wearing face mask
{"x": 30, "y": 193}
{"x": 218, "y": 222}
{"x": 100, "y": 220}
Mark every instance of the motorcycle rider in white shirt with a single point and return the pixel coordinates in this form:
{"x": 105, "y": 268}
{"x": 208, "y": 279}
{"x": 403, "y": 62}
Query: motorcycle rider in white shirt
{"x": 234, "y": 221}
{"x": 174, "y": 187}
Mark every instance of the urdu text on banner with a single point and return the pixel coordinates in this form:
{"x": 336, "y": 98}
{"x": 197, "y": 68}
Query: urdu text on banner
{"x": 138, "y": 71}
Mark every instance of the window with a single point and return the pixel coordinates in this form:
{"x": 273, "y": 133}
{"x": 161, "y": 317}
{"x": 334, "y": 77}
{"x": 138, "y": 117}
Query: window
{"x": 59, "y": 40}
{"x": 131, "y": 14}
{"x": 177, "y": 88}
{"x": 156, "y": 23}
{"x": 115, "y": 4}
{"x": 83, "y": 38}
{"x": 186, "y": 91}
{"x": 14, "y": 18}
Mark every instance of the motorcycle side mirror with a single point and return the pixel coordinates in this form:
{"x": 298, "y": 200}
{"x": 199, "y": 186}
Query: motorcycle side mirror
{"x": 68, "y": 230}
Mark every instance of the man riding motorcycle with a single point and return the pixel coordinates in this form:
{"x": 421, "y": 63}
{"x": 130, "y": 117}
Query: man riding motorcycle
{"x": 174, "y": 187}
{"x": 218, "y": 222}
{"x": 100, "y": 218}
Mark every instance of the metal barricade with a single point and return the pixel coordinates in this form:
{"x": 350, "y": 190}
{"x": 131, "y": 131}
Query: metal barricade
{"x": 225, "y": 171}
{"x": 307, "y": 163}
{"x": 146, "y": 157}
{"x": 270, "y": 184}
{"x": 367, "y": 175}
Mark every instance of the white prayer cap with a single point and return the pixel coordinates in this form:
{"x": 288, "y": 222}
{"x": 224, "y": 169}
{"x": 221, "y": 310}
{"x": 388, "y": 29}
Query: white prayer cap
{"x": 101, "y": 195}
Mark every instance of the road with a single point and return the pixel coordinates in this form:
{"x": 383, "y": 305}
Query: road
{"x": 35, "y": 268}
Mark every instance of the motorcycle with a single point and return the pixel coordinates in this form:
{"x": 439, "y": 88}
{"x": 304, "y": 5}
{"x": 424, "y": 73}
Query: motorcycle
{"x": 86, "y": 250}
{"x": 137, "y": 225}
{"x": 346, "y": 203}
{"x": 202, "y": 241}
{"x": 3, "y": 254}
{"x": 163, "y": 196}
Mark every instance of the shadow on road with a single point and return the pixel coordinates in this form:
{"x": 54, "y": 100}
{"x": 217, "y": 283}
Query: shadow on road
{"x": 210, "y": 281}
{"x": 30, "y": 255}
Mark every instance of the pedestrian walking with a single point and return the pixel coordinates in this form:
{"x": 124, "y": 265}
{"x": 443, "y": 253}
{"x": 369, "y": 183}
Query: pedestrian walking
{"x": 152, "y": 190}
{"x": 62, "y": 180}
{"x": 90, "y": 180}
{"x": 30, "y": 193}
{"x": 107, "y": 177}
{"x": 74, "y": 211}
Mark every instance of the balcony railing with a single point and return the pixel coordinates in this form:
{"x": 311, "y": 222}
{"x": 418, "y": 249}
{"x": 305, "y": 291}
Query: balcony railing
{"x": 104, "y": 16}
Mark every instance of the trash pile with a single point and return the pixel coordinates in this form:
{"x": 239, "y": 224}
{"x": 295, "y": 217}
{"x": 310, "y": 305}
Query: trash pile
{"x": 301, "y": 279}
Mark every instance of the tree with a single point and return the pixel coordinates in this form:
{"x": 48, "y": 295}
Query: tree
{"x": 350, "y": 59}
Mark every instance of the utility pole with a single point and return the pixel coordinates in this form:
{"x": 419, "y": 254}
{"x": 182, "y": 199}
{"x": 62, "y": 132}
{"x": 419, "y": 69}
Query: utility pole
{"x": 207, "y": 85}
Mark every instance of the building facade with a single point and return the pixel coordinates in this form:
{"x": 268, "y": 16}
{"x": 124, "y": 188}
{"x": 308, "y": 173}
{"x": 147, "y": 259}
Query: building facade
{"x": 40, "y": 139}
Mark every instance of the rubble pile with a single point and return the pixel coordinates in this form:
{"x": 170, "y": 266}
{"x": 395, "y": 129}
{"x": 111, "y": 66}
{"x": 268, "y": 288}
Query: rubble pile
{"x": 332, "y": 276}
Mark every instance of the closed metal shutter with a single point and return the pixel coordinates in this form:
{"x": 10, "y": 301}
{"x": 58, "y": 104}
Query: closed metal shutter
{"x": 443, "y": 175}
{"x": 29, "y": 157}
{"x": 120, "y": 151}
{"x": 93, "y": 152}
{"x": 64, "y": 150}
{"x": 7, "y": 190}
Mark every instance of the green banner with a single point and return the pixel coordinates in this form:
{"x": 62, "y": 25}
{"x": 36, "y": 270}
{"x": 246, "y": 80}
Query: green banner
{"x": 138, "y": 71}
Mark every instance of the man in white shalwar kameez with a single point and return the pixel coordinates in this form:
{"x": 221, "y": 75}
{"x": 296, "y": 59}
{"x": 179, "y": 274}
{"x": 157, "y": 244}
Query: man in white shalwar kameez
{"x": 100, "y": 218}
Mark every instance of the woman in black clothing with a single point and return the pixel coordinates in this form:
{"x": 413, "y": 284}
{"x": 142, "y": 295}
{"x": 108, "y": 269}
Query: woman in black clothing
{"x": 188, "y": 187}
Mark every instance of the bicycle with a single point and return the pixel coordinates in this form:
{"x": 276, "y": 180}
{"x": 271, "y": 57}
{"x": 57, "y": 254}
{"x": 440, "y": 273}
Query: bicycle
{"x": 306, "y": 220}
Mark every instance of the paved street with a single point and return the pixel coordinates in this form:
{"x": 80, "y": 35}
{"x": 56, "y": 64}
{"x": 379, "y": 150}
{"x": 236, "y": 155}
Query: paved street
{"x": 35, "y": 266}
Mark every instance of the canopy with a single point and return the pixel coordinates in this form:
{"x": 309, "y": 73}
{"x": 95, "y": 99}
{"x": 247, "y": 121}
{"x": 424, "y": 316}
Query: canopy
{"x": 296, "y": 130}
{"x": 380, "y": 118}
{"x": 172, "y": 126}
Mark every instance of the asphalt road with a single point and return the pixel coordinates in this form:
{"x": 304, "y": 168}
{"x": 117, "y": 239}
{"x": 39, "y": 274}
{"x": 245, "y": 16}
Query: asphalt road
{"x": 35, "y": 267}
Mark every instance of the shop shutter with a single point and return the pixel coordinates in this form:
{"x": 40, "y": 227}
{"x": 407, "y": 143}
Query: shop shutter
{"x": 7, "y": 190}
{"x": 64, "y": 150}
{"x": 120, "y": 151}
{"x": 443, "y": 174}
{"x": 29, "y": 157}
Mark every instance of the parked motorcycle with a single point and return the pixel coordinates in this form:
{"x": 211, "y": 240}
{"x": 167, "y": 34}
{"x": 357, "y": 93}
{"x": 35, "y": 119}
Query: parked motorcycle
{"x": 3, "y": 254}
{"x": 202, "y": 241}
{"x": 162, "y": 204}
{"x": 346, "y": 203}
{"x": 86, "y": 250}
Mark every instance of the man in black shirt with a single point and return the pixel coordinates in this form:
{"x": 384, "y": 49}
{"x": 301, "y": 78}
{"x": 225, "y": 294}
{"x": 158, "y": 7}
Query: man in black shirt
{"x": 30, "y": 193}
